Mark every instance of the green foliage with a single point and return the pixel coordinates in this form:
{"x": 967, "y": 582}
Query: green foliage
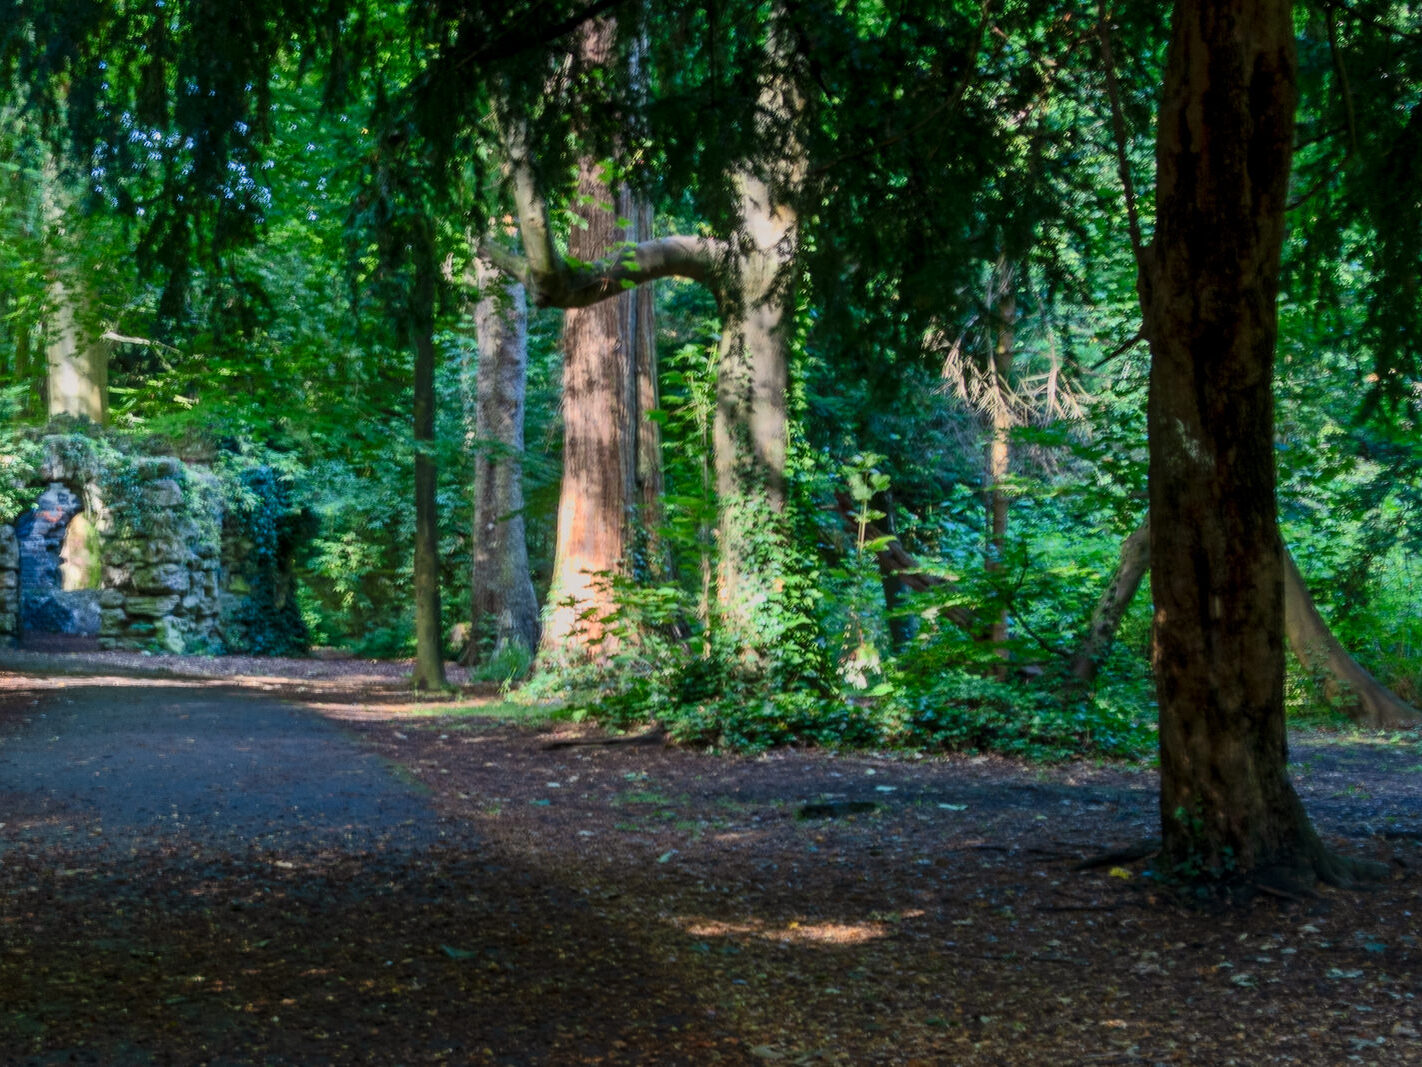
{"x": 268, "y": 531}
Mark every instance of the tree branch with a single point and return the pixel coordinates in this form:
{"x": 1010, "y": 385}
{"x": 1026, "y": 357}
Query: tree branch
{"x": 553, "y": 281}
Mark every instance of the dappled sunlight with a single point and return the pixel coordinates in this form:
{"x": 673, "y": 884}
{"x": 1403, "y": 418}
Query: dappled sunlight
{"x": 793, "y": 932}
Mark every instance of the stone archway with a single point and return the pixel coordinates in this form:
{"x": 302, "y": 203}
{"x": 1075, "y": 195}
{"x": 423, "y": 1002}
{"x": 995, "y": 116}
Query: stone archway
{"x": 58, "y": 566}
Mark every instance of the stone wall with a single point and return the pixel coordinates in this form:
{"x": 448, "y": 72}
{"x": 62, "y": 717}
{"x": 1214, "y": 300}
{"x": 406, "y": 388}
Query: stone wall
{"x": 9, "y": 583}
{"x": 146, "y": 534}
{"x": 162, "y": 561}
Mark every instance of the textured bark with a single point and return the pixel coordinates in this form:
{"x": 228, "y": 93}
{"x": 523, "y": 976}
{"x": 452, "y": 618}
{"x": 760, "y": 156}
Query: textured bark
{"x": 504, "y": 606}
{"x": 595, "y": 501}
{"x": 1346, "y": 682}
{"x": 429, "y": 652}
{"x": 1111, "y": 608}
{"x": 750, "y": 428}
{"x": 600, "y": 410}
{"x": 1209, "y": 288}
{"x": 650, "y": 557}
{"x": 751, "y": 274}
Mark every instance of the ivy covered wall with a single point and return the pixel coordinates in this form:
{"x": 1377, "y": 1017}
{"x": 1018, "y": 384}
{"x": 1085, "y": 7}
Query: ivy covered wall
{"x": 191, "y": 560}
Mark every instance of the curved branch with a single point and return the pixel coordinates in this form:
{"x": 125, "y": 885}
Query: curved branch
{"x": 551, "y": 279}
{"x": 553, "y": 282}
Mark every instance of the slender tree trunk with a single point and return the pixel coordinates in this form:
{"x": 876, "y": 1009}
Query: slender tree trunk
{"x": 1111, "y": 608}
{"x": 504, "y": 606}
{"x": 1346, "y": 682}
{"x": 1224, "y": 142}
{"x": 649, "y": 553}
{"x": 999, "y": 458}
{"x": 429, "y": 652}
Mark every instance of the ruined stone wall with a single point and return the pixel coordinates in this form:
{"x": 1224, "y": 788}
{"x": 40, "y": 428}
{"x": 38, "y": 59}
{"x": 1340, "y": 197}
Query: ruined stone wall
{"x": 135, "y": 550}
{"x": 162, "y": 560}
{"x": 9, "y": 584}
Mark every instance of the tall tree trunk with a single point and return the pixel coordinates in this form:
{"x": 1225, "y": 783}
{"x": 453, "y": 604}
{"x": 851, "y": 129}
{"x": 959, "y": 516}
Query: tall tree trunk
{"x": 599, "y": 461}
{"x": 504, "y": 606}
{"x": 1224, "y": 143}
{"x": 750, "y": 432}
{"x": 429, "y": 653}
{"x": 999, "y": 458}
{"x": 76, "y": 355}
{"x": 649, "y": 553}
{"x": 611, "y": 488}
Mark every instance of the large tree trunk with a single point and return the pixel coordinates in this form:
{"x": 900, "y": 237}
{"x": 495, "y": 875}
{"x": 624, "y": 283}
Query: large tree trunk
{"x": 1225, "y": 137}
{"x": 597, "y": 499}
{"x": 504, "y": 606}
{"x": 598, "y": 458}
{"x": 429, "y": 652}
{"x": 76, "y": 354}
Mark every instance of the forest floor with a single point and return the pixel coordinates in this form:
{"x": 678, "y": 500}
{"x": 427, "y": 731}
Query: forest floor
{"x": 264, "y": 862}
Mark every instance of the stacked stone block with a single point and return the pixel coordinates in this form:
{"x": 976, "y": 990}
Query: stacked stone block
{"x": 9, "y": 584}
{"x": 161, "y": 564}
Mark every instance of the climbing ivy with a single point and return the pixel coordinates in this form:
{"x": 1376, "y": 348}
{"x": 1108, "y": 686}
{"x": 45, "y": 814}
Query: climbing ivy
{"x": 264, "y": 530}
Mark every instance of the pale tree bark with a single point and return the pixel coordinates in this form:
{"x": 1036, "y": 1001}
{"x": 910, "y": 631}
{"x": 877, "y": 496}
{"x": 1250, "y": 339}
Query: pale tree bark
{"x": 1111, "y": 607}
{"x": 76, "y": 353}
{"x": 504, "y": 606}
{"x": 1347, "y": 684}
{"x": 1003, "y": 304}
{"x": 76, "y": 358}
{"x": 1209, "y": 292}
{"x": 429, "y": 652}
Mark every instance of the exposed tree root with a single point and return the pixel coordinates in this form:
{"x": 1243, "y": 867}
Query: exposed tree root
{"x": 657, "y": 735}
{"x": 1140, "y": 850}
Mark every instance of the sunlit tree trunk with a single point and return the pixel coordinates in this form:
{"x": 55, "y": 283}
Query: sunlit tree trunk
{"x": 429, "y": 653}
{"x": 595, "y": 500}
{"x": 1224, "y": 143}
{"x": 504, "y": 607}
{"x": 76, "y": 354}
{"x": 750, "y": 428}
{"x": 611, "y": 489}
{"x": 76, "y": 358}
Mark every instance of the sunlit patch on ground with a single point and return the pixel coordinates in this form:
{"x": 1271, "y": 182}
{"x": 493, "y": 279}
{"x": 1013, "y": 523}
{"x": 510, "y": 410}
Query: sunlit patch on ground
{"x": 796, "y": 932}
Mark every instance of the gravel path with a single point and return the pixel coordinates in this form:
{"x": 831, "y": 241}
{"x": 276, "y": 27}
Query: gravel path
{"x": 124, "y": 763}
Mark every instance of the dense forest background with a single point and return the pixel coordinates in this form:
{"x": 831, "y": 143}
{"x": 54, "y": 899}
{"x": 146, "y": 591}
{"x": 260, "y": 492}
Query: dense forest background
{"x": 774, "y": 370}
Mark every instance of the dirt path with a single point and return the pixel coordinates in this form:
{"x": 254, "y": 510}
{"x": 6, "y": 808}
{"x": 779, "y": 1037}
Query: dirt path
{"x": 292, "y": 867}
